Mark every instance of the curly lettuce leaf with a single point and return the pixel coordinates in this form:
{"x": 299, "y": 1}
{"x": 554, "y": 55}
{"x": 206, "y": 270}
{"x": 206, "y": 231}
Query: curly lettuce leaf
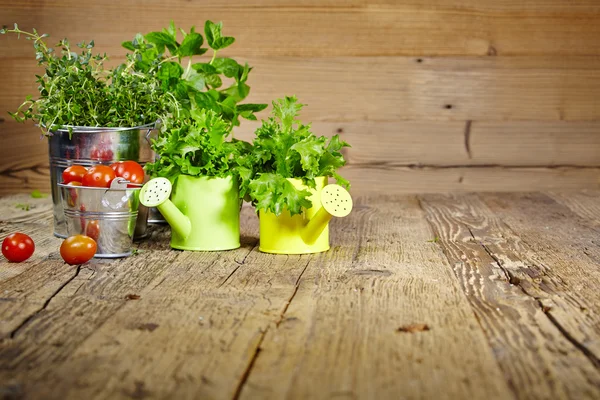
{"x": 274, "y": 193}
{"x": 285, "y": 148}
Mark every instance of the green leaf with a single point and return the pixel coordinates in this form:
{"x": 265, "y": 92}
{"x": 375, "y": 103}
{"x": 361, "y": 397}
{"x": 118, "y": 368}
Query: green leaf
{"x": 128, "y": 45}
{"x": 36, "y": 194}
{"x": 222, "y": 42}
{"x": 162, "y": 40}
{"x": 251, "y": 107}
{"x": 191, "y": 45}
{"x": 23, "y": 206}
{"x": 206, "y": 101}
{"x": 196, "y": 80}
{"x": 286, "y": 110}
{"x": 214, "y": 81}
{"x": 170, "y": 72}
{"x": 310, "y": 150}
{"x": 205, "y": 67}
{"x": 227, "y": 66}
{"x": 171, "y": 30}
{"x": 214, "y": 36}
{"x": 212, "y": 32}
{"x": 271, "y": 192}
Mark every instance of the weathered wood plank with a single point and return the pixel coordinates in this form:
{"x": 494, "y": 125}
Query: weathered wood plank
{"x": 463, "y": 143}
{"x": 364, "y": 28}
{"x": 341, "y": 333}
{"x": 348, "y": 89}
{"x": 517, "y": 300}
{"x": 560, "y": 252}
{"x": 25, "y": 287}
{"x": 585, "y": 203}
{"x": 535, "y": 143}
{"x": 391, "y": 179}
{"x": 178, "y": 283}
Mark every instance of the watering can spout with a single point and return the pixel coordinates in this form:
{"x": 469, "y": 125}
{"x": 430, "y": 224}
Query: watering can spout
{"x": 335, "y": 202}
{"x": 156, "y": 193}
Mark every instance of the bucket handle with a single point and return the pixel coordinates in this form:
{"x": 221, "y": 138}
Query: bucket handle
{"x": 113, "y": 197}
{"x": 147, "y": 135}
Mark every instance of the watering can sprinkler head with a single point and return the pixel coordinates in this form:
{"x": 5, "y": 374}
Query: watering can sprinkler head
{"x": 156, "y": 193}
{"x": 335, "y": 202}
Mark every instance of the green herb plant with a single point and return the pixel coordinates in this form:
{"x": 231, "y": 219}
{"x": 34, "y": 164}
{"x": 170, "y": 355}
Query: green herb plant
{"x": 285, "y": 148}
{"x": 197, "y": 145}
{"x": 195, "y": 84}
{"x": 76, "y": 90}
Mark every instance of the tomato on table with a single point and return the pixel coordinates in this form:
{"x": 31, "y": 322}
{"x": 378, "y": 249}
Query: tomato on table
{"x": 74, "y": 173}
{"x": 17, "y": 247}
{"x": 129, "y": 170}
{"x": 78, "y": 249}
{"x": 98, "y": 176}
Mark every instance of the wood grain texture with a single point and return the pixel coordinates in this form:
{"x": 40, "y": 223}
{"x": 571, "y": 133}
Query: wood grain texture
{"x": 377, "y": 70}
{"x": 401, "y": 88}
{"x": 363, "y": 28}
{"x": 517, "y": 296}
{"x": 388, "y": 310}
{"x": 342, "y": 332}
{"x": 584, "y": 203}
{"x": 561, "y": 252}
{"x": 460, "y": 143}
{"x": 204, "y": 316}
{"x": 392, "y": 179}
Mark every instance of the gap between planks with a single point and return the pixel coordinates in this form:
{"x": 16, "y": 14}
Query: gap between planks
{"x": 248, "y": 371}
{"x": 455, "y": 248}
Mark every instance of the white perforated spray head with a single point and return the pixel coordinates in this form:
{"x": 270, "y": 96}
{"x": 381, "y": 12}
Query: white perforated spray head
{"x": 155, "y": 192}
{"x": 336, "y": 200}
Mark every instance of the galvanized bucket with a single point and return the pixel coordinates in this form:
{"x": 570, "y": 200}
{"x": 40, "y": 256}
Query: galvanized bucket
{"x": 89, "y": 146}
{"x": 106, "y": 215}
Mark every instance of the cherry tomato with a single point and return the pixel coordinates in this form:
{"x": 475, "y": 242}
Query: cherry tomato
{"x": 93, "y": 230}
{"x": 17, "y": 247}
{"x": 129, "y": 170}
{"x": 74, "y": 173}
{"x": 98, "y": 176}
{"x": 78, "y": 249}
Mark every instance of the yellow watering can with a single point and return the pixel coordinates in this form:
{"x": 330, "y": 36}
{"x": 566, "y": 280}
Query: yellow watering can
{"x": 204, "y": 212}
{"x": 307, "y": 232}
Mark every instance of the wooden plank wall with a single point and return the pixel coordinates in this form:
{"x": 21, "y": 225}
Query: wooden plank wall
{"x": 434, "y": 95}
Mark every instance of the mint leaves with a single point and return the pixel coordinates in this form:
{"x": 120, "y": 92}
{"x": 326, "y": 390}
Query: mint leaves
{"x": 218, "y": 84}
{"x": 285, "y": 148}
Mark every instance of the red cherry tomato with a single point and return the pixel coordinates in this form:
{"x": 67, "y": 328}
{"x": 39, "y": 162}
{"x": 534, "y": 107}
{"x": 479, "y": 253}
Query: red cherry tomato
{"x": 74, "y": 173}
{"x": 129, "y": 170}
{"x": 93, "y": 230}
{"x": 98, "y": 176}
{"x": 17, "y": 247}
{"x": 78, "y": 249}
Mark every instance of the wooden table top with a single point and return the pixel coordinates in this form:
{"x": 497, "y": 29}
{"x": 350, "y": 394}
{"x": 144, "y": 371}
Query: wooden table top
{"x": 474, "y": 296}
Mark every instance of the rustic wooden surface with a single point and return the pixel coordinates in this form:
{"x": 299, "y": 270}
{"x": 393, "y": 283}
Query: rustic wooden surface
{"x": 433, "y": 95}
{"x": 430, "y": 296}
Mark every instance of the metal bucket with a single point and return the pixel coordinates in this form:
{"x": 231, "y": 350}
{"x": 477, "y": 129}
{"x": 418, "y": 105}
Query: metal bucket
{"x": 106, "y": 215}
{"x": 89, "y": 146}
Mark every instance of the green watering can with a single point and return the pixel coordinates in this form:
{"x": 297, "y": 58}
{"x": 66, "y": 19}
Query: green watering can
{"x": 204, "y": 212}
{"x": 307, "y": 232}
